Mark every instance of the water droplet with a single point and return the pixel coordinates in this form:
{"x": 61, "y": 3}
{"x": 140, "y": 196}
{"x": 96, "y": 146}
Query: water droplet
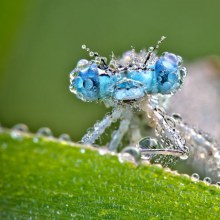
{"x": 134, "y": 154}
{"x": 146, "y": 157}
{"x": 150, "y": 49}
{"x": 98, "y": 59}
{"x": 195, "y": 176}
{"x": 20, "y": 127}
{"x": 82, "y": 150}
{"x": 102, "y": 151}
{"x": 83, "y": 46}
{"x": 180, "y": 60}
{"x": 183, "y": 72}
{"x": 207, "y": 180}
{"x": 72, "y": 89}
{"x": 218, "y": 184}
{"x": 217, "y": 154}
{"x": 91, "y": 54}
{"x": 177, "y": 116}
{"x": 16, "y": 131}
{"x": 170, "y": 121}
{"x": 145, "y": 144}
{"x": 184, "y": 157}
{"x": 16, "y": 135}
{"x": 65, "y": 137}
{"x": 58, "y": 212}
{"x": 121, "y": 157}
{"x": 45, "y": 132}
{"x": 82, "y": 64}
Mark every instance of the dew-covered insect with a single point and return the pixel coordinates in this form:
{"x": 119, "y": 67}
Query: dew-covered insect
{"x": 137, "y": 85}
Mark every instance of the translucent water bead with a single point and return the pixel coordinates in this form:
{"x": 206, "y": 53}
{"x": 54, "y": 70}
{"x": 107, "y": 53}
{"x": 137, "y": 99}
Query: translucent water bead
{"x": 184, "y": 157}
{"x": 16, "y": 131}
{"x": 195, "y": 176}
{"x": 146, "y": 144}
{"x": 65, "y": 137}
{"x": 20, "y": 127}
{"x": 218, "y": 184}
{"x": 130, "y": 154}
{"x": 207, "y": 180}
{"x": 46, "y": 132}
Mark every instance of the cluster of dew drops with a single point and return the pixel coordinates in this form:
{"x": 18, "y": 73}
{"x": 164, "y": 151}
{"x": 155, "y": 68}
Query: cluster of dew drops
{"x": 17, "y": 132}
{"x": 127, "y": 154}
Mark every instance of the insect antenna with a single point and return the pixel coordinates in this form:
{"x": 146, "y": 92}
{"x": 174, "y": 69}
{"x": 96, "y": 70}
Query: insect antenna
{"x": 114, "y": 61}
{"x": 152, "y": 49}
{"x": 98, "y": 58}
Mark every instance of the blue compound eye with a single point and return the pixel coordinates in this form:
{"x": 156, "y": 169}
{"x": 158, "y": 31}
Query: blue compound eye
{"x": 86, "y": 83}
{"x": 167, "y": 63}
{"x": 167, "y": 69}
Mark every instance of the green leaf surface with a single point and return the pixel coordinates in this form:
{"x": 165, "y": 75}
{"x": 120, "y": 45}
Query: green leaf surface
{"x": 44, "y": 178}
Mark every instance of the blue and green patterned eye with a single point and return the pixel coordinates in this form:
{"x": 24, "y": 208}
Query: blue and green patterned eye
{"x": 168, "y": 72}
{"x": 86, "y": 82}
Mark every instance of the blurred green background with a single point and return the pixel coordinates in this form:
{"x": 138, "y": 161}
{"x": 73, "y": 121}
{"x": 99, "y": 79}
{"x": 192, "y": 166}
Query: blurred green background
{"x": 41, "y": 40}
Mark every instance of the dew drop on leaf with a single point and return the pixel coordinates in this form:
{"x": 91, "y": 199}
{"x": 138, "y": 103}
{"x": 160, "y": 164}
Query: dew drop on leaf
{"x": 195, "y": 176}
{"x": 133, "y": 152}
{"x": 65, "y": 138}
{"x": 207, "y": 180}
{"x": 45, "y": 132}
{"x": 20, "y": 127}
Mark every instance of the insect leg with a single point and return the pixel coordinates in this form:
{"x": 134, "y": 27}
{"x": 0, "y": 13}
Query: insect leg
{"x": 123, "y": 128}
{"x": 169, "y": 136}
{"x": 99, "y": 127}
{"x": 134, "y": 131}
{"x": 204, "y": 151}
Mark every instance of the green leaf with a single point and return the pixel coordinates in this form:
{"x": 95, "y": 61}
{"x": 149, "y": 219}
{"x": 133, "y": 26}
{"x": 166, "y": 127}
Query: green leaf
{"x": 44, "y": 178}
